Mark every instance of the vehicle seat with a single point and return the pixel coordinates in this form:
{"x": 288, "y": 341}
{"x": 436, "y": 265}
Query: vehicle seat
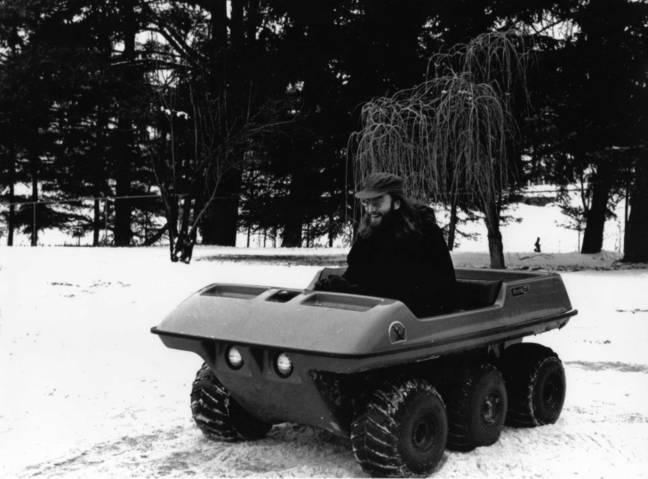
{"x": 476, "y": 293}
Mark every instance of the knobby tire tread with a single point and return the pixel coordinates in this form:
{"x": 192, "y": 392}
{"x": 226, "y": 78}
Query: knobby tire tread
{"x": 457, "y": 394}
{"x": 521, "y": 365}
{"x": 374, "y": 433}
{"x": 212, "y": 409}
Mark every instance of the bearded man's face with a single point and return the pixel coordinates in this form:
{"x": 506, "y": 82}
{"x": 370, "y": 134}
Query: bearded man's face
{"x": 377, "y": 209}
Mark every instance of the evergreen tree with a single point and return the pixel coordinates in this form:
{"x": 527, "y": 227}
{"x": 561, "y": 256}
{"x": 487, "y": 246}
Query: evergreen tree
{"x": 636, "y": 234}
{"x": 596, "y": 101}
{"x": 27, "y": 95}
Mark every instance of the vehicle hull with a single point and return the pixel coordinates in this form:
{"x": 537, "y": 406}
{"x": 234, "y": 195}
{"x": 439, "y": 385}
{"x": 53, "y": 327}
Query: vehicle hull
{"x": 344, "y": 335}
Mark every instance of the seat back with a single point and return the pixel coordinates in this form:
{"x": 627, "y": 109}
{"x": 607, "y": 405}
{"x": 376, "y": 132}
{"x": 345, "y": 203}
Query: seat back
{"x": 476, "y": 293}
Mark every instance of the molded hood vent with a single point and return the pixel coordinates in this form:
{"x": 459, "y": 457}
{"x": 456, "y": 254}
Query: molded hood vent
{"x": 233, "y": 291}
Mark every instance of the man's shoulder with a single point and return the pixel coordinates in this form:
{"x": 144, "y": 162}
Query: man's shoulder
{"x": 424, "y": 218}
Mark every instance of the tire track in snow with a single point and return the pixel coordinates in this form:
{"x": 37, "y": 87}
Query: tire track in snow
{"x": 288, "y": 451}
{"x": 589, "y": 414}
{"x": 563, "y": 449}
{"x": 567, "y": 449}
{"x": 609, "y": 365}
{"x": 130, "y": 452}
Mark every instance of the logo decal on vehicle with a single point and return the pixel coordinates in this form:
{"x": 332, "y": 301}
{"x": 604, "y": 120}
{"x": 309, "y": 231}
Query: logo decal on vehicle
{"x": 519, "y": 290}
{"x": 397, "y": 332}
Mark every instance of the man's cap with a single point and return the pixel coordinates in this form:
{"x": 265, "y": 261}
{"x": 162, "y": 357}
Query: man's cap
{"x": 378, "y": 184}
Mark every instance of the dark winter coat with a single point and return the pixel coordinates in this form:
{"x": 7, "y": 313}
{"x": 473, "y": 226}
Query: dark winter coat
{"x": 412, "y": 266}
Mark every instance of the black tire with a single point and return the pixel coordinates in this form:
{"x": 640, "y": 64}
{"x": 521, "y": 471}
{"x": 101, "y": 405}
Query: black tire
{"x": 535, "y": 380}
{"x": 402, "y": 431}
{"x": 477, "y": 402}
{"x": 218, "y": 415}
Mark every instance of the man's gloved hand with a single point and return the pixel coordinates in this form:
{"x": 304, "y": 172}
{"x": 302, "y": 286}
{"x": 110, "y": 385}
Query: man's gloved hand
{"x": 335, "y": 283}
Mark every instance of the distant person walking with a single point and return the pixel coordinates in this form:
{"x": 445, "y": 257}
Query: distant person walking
{"x": 537, "y": 245}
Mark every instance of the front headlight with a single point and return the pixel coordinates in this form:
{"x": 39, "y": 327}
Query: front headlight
{"x": 234, "y": 358}
{"x": 283, "y": 365}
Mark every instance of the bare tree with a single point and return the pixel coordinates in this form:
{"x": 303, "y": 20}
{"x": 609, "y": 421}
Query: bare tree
{"x": 214, "y": 144}
{"x": 452, "y": 134}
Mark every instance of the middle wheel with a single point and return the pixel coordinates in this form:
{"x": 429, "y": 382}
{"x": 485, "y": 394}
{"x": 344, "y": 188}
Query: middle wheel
{"x": 476, "y": 403}
{"x": 402, "y": 432}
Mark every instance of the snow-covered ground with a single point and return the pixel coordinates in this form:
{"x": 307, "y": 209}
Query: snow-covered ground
{"x": 87, "y": 391}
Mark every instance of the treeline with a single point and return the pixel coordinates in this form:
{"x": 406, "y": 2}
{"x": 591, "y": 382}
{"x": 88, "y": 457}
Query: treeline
{"x": 237, "y": 114}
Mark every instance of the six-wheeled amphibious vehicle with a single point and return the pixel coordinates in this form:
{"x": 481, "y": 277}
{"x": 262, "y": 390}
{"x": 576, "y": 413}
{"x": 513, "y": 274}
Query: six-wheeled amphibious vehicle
{"x": 403, "y": 388}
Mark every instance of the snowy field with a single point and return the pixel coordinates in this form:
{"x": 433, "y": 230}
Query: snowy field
{"x": 87, "y": 391}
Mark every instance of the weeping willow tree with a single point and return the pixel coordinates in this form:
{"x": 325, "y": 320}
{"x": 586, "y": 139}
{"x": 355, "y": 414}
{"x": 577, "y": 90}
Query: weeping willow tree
{"x": 453, "y": 135}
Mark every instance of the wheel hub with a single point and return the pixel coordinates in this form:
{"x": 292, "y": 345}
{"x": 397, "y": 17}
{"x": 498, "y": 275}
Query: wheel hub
{"x": 491, "y": 408}
{"x": 423, "y": 434}
{"x": 551, "y": 391}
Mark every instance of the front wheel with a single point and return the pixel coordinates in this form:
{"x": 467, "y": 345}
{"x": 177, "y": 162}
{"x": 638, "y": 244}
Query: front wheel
{"x": 535, "y": 379}
{"x": 218, "y": 415}
{"x": 403, "y": 430}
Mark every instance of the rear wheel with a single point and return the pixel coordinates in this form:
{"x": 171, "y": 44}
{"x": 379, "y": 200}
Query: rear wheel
{"x": 535, "y": 379}
{"x": 477, "y": 403}
{"x": 218, "y": 415}
{"x": 403, "y": 430}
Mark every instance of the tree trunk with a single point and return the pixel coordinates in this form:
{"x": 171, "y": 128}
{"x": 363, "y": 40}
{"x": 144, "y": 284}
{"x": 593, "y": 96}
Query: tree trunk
{"x": 171, "y": 208}
{"x": 11, "y": 218}
{"x": 253, "y": 21}
{"x": 218, "y": 45}
{"x": 495, "y": 246}
{"x": 292, "y": 234}
{"x": 237, "y": 34}
{"x": 182, "y": 240}
{"x": 96, "y": 223}
{"x": 220, "y": 223}
{"x": 106, "y": 215}
{"x": 34, "y": 198}
{"x": 593, "y": 237}
{"x": 218, "y": 13}
{"x": 185, "y": 217}
{"x": 12, "y": 155}
{"x": 156, "y": 236}
{"x": 12, "y": 206}
{"x": 636, "y": 234}
{"x": 452, "y": 227}
{"x": 123, "y": 207}
{"x": 99, "y": 172}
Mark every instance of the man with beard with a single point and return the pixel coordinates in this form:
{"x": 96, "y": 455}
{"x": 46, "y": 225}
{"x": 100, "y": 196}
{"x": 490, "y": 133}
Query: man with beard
{"x": 399, "y": 252}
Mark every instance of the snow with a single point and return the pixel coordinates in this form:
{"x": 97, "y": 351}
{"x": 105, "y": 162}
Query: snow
{"x": 87, "y": 391}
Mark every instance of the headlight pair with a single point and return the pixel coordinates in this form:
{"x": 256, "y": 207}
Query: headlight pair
{"x": 282, "y": 363}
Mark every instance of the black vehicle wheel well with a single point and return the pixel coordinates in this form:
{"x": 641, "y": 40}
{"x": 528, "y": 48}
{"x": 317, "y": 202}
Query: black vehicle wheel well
{"x": 346, "y": 394}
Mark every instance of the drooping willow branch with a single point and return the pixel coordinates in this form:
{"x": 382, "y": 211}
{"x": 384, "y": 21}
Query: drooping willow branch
{"x": 500, "y": 59}
{"x": 452, "y": 134}
{"x": 446, "y": 136}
